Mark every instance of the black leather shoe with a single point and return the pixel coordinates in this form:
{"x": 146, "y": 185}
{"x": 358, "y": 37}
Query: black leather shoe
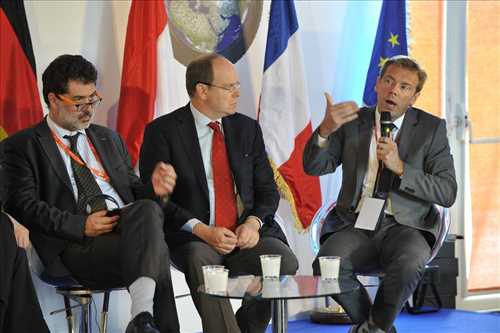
{"x": 142, "y": 323}
{"x": 365, "y": 328}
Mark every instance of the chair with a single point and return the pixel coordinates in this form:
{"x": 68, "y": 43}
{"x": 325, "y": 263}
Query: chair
{"x": 70, "y": 289}
{"x": 333, "y": 313}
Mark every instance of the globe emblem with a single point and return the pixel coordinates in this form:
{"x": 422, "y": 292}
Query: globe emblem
{"x": 199, "y": 27}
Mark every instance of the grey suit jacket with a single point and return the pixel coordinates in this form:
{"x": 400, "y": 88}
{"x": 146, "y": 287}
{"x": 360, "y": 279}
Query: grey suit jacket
{"x": 429, "y": 174}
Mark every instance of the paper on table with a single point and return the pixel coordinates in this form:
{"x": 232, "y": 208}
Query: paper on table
{"x": 369, "y": 213}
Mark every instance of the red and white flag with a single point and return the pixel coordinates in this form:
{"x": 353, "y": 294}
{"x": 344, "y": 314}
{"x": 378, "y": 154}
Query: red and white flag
{"x": 147, "y": 65}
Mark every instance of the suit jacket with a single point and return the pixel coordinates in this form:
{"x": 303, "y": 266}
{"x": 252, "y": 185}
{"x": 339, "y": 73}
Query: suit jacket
{"x": 40, "y": 194}
{"x": 173, "y": 139}
{"x": 429, "y": 174}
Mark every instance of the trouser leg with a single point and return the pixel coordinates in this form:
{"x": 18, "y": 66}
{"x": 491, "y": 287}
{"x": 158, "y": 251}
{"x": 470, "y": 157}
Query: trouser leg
{"x": 403, "y": 255}
{"x": 358, "y": 254}
{"x": 18, "y": 299}
{"x": 136, "y": 248}
{"x": 216, "y": 314}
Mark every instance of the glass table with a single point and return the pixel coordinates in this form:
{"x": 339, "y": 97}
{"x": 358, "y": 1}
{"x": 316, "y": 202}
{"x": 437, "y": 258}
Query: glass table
{"x": 279, "y": 291}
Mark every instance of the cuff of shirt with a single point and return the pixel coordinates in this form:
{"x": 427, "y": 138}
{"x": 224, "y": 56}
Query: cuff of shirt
{"x": 189, "y": 225}
{"x": 259, "y": 220}
{"x": 322, "y": 142}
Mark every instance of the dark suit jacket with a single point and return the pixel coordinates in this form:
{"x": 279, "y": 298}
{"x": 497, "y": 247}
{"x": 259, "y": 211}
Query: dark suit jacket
{"x": 429, "y": 174}
{"x": 39, "y": 190}
{"x": 173, "y": 139}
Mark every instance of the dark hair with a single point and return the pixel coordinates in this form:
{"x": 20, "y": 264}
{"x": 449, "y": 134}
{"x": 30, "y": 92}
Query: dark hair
{"x": 200, "y": 70}
{"x": 407, "y": 63}
{"x": 64, "y": 68}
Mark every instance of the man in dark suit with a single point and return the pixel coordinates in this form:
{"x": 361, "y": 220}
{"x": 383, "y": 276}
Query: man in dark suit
{"x": 422, "y": 173}
{"x": 59, "y": 173}
{"x": 222, "y": 209}
{"x": 18, "y": 299}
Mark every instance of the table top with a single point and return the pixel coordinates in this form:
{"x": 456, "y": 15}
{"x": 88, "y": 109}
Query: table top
{"x": 286, "y": 287}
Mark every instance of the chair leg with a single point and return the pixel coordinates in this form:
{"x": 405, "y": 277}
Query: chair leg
{"x": 69, "y": 315}
{"x": 104, "y": 315}
{"x": 86, "y": 320}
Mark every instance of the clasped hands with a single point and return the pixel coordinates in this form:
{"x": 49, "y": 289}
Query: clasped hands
{"x": 224, "y": 240}
{"x": 163, "y": 180}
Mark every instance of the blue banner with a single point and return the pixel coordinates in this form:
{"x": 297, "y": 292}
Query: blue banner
{"x": 389, "y": 41}
{"x": 282, "y": 25}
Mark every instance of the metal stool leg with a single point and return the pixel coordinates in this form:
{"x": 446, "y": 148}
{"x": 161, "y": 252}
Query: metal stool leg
{"x": 104, "y": 315}
{"x": 69, "y": 315}
{"x": 86, "y": 320}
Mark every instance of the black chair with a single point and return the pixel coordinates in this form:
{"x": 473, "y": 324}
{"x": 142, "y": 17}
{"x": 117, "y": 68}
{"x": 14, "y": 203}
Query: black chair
{"x": 334, "y": 313}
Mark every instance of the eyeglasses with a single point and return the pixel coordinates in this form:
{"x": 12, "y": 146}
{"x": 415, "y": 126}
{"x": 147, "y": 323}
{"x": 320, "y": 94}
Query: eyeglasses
{"x": 233, "y": 87}
{"x": 94, "y": 103}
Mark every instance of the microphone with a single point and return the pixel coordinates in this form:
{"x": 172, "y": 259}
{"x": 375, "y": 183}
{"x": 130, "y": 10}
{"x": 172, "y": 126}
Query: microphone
{"x": 383, "y": 182}
{"x": 386, "y": 125}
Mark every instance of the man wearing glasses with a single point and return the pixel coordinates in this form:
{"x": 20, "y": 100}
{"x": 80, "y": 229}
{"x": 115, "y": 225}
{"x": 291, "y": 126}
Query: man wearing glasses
{"x": 65, "y": 175}
{"x": 222, "y": 209}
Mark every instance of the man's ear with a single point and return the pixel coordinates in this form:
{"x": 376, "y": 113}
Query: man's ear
{"x": 201, "y": 91}
{"x": 52, "y": 98}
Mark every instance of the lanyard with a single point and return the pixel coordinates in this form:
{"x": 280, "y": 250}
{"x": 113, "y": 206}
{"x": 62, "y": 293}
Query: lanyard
{"x": 99, "y": 173}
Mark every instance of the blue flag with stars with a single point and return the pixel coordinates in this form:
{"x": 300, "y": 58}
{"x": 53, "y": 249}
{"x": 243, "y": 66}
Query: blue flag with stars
{"x": 389, "y": 41}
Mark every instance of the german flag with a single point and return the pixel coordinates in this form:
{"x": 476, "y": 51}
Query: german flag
{"x": 20, "y": 105}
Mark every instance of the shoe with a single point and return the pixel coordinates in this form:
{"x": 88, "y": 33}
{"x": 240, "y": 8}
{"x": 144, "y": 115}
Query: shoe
{"x": 365, "y": 328}
{"x": 142, "y": 323}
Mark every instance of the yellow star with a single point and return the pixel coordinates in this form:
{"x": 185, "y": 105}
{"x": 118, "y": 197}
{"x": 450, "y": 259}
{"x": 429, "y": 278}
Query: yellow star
{"x": 393, "y": 40}
{"x": 382, "y": 62}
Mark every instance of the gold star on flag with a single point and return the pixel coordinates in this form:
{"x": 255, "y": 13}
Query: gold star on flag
{"x": 393, "y": 40}
{"x": 382, "y": 62}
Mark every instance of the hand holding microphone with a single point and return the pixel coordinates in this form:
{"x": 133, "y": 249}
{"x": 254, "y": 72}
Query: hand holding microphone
{"x": 387, "y": 149}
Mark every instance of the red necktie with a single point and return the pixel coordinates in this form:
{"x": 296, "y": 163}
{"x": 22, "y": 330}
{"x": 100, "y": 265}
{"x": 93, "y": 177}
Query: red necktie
{"x": 225, "y": 199}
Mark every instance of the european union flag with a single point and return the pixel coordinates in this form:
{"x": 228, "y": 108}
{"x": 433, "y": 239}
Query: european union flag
{"x": 389, "y": 41}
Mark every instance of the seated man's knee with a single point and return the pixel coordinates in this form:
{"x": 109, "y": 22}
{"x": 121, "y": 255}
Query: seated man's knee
{"x": 150, "y": 211}
{"x": 200, "y": 254}
{"x": 289, "y": 263}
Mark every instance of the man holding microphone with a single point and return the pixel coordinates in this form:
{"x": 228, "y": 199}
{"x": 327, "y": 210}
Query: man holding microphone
{"x": 420, "y": 173}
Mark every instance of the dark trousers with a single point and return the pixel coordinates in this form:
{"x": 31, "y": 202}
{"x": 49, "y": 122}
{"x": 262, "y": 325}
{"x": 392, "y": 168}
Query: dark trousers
{"x": 136, "y": 248}
{"x": 216, "y": 313}
{"x": 19, "y": 307}
{"x": 398, "y": 251}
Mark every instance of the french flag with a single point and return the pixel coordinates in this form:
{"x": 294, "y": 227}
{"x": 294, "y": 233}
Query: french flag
{"x": 284, "y": 113}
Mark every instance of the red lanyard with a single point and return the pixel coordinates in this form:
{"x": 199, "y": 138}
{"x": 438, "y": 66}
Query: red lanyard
{"x": 99, "y": 173}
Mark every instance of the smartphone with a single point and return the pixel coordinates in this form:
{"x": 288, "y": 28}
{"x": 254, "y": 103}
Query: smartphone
{"x": 113, "y": 212}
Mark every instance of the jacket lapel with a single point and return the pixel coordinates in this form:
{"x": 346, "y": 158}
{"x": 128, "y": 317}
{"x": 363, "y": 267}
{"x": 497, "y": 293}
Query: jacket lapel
{"x": 232, "y": 140}
{"x": 407, "y": 133}
{"x": 189, "y": 138}
{"x": 107, "y": 155}
{"x": 53, "y": 155}
{"x": 367, "y": 120}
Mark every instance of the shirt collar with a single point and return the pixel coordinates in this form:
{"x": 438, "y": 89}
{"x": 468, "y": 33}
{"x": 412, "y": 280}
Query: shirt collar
{"x": 200, "y": 120}
{"x": 398, "y": 122}
{"x": 61, "y": 132}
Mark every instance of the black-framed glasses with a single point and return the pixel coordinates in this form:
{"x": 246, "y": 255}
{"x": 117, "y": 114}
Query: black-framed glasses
{"x": 233, "y": 87}
{"x": 94, "y": 103}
